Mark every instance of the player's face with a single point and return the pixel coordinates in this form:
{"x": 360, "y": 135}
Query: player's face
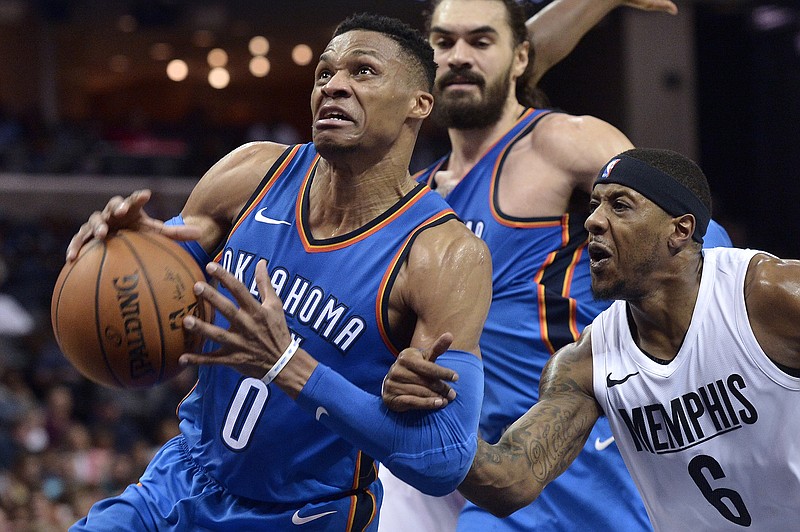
{"x": 362, "y": 93}
{"x": 627, "y": 242}
{"x": 478, "y": 62}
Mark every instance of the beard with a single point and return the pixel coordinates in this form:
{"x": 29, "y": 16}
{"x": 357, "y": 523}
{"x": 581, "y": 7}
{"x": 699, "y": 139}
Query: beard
{"x": 609, "y": 293}
{"x": 461, "y": 111}
{"x": 630, "y": 287}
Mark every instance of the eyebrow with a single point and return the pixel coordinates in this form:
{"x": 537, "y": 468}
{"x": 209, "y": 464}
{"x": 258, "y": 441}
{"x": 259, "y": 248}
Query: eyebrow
{"x": 475, "y": 31}
{"x": 622, "y": 192}
{"x": 358, "y": 52}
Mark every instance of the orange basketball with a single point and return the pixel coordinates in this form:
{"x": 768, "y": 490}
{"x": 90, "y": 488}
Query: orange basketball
{"x": 117, "y": 310}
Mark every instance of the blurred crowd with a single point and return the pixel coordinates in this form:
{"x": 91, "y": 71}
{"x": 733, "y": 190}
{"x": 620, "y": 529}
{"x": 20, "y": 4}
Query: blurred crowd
{"x": 142, "y": 146}
{"x": 138, "y": 146}
{"x": 64, "y": 441}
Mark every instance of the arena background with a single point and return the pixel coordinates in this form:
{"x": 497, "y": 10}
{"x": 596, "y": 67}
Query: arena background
{"x": 87, "y": 111}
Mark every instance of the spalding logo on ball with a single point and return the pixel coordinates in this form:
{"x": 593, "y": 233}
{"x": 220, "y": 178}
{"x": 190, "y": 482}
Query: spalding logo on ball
{"x": 117, "y": 310}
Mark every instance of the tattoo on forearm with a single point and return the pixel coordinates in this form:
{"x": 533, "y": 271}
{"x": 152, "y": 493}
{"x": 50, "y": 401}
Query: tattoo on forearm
{"x": 543, "y": 442}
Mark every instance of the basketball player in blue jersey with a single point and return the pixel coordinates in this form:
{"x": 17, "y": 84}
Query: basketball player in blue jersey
{"x": 353, "y": 261}
{"x": 696, "y": 364}
{"x": 519, "y": 178}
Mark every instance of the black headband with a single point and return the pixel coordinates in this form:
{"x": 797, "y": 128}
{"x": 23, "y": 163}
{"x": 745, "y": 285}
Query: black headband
{"x": 658, "y": 187}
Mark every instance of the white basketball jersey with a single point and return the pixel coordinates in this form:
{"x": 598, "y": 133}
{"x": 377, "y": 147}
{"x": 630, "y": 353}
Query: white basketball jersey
{"x": 712, "y": 439}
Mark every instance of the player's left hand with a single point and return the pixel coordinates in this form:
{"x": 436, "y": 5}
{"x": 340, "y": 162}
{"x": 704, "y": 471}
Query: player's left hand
{"x": 258, "y": 333}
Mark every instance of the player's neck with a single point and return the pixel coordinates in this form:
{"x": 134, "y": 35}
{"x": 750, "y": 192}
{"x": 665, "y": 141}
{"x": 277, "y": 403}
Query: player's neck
{"x": 469, "y": 145}
{"x": 659, "y": 322}
{"x": 342, "y": 200}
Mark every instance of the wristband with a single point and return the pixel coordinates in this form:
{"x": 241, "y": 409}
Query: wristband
{"x": 282, "y": 361}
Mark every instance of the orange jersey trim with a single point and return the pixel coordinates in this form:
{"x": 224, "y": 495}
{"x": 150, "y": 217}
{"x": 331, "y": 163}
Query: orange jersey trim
{"x": 566, "y": 287}
{"x": 394, "y": 266}
{"x": 360, "y": 235}
{"x": 262, "y": 193}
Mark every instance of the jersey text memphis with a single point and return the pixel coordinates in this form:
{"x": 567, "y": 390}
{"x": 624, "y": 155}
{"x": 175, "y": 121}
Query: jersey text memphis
{"x": 711, "y": 439}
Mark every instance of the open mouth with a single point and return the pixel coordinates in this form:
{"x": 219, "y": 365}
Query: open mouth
{"x": 332, "y": 117}
{"x": 335, "y": 116}
{"x": 598, "y": 255}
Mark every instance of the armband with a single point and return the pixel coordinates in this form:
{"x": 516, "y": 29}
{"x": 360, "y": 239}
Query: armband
{"x": 282, "y": 361}
{"x": 430, "y": 450}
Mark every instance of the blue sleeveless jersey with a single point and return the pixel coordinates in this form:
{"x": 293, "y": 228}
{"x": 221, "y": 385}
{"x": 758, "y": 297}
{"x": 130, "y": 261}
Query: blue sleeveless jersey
{"x": 541, "y": 301}
{"x": 541, "y": 285}
{"x": 251, "y": 437}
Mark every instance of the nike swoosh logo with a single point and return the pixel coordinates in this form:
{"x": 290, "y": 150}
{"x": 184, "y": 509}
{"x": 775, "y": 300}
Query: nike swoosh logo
{"x": 610, "y": 383}
{"x": 602, "y": 444}
{"x": 267, "y": 220}
{"x": 298, "y": 520}
{"x": 320, "y": 412}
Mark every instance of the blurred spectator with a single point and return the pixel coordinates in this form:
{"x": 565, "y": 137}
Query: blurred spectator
{"x": 65, "y": 442}
{"x": 15, "y": 320}
{"x": 10, "y": 139}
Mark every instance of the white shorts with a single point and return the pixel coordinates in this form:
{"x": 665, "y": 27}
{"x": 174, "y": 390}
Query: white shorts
{"x": 405, "y": 508}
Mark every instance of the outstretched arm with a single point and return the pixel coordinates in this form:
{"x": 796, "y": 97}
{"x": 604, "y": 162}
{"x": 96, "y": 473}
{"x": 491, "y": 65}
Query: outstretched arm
{"x": 209, "y": 210}
{"x": 541, "y": 444}
{"x": 557, "y": 28}
{"x": 536, "y": 448}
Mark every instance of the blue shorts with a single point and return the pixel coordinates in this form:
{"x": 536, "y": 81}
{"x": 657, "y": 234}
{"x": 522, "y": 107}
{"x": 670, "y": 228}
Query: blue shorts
{"x": 175, "y": 493}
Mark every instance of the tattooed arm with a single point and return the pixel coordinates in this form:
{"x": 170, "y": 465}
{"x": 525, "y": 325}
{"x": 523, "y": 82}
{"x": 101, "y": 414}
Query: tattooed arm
{"x": 541, "y": 444}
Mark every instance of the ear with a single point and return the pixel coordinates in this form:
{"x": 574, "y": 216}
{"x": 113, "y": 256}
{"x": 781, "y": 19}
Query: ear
{"x": 520, "y": 59}
{"x": 422, "y": 105}
{"x": 683, "y": 229}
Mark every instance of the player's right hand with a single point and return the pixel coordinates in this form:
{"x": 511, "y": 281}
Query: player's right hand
{"x": 125, "y": 213}
{"x": 416, "y": 382}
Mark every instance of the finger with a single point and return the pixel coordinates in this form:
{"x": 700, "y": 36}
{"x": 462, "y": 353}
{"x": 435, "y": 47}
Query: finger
{"x": 232, "y": 349}
{"x": 238, "y": 290}
{"x": 403, "y": 403}
{"x": 439, "y": 346}
{"x": 264, "y": 284}
{"x": 210, "y": 331}
{"x": 113, "y": 205}
{"x": 94, "y": 228}
{"x": 205, "y": 359}
{"x": 425, "y": 369}
{"x": 427, "y": 390}
{"x": 222, "y": 304}
{"x": 77, "y": 242}
{"x": 132, "y": 204}
{"x": 665, "y": 6}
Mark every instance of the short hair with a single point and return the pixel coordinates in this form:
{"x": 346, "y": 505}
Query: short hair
{"x": 412, "y": 43}
{"x": 516, "y": 17}
{"x": 680, "y": 168}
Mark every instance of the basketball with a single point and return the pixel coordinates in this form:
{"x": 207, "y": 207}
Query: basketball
{"x": 117, "y": 310}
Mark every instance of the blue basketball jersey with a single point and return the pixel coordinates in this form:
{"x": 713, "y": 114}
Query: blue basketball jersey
{"x": 541, "y": 301}
{"x": 251, "y": 437}
{"x": 541, "y": 285}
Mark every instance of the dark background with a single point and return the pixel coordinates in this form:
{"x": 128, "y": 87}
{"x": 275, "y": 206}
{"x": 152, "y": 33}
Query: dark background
{"x": 86, "y": 112}
{"x": 76, "y": 113}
